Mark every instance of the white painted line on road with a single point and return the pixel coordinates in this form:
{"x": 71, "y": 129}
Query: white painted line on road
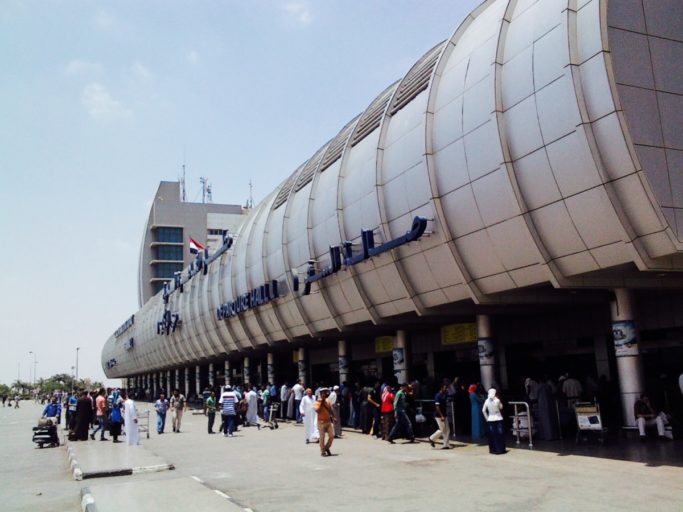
{"x": 248, "y": 510}
{"x": 221, "y": 494}
{"x": 153, "y": 469}
{"x": 198, "y": 479}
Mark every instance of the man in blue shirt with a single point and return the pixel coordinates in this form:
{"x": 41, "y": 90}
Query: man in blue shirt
{"x": 53, "y": 409}
{"x": 161, "y": 406}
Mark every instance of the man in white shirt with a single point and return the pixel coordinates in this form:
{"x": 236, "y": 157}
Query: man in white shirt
{"x": 298, "y": 391}
{"x": 571, "y": 388}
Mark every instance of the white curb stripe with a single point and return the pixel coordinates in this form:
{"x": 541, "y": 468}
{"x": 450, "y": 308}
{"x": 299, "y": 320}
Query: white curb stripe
{"x": 221, "y": 494}
{"x": 198, "y": 479}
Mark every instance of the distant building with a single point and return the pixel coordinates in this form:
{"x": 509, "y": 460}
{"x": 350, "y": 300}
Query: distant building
{"x": 165, "y": 246}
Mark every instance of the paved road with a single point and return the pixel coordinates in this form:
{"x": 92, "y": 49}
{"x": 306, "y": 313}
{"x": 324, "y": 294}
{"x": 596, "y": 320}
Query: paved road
{"x": 276, "y": 471}
{"x": 31, "y": 478}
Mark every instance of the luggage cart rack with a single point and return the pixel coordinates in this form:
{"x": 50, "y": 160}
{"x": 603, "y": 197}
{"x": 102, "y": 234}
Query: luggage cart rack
{"x": 522, "y": 422}
{"x": 143, "y": 422}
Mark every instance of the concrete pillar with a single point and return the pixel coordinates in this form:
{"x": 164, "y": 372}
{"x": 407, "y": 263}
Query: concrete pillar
{"x": 168, "y": 383}
{"x": 155, "y": 384}
{"x": 629, "y": 362}
{"x": 227, "y": 372}
{"x": 344, "y": 361}
{"x": 197, "y": 381}
{"x": 246, "y": 371}
{"x": 400, "y": 353}
{"x": 211, "y": 381}
{"x": 270, "y": 362}
{"x": 601, "y": 356}
{"x": 177, "y": 379}
{"x": 487, "y": 352}
{"x": 302, "y": 365}
{"x": 187, "y": 382}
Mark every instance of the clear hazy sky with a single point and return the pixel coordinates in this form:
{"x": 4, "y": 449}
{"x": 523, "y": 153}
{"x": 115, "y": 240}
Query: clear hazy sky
{"x": 99, "y": 101}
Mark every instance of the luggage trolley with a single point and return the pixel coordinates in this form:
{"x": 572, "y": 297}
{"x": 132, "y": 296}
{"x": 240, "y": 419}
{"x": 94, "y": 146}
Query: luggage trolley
{"x": 143, "y": 422}
{"x": 272, "y": 416}
{"x": 589, "y": 422}
{"x": 46, "y": 433}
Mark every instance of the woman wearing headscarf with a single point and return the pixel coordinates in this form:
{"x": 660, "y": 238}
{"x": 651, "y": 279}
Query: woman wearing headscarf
{"x": 477, "y": 402}
{"x": 116, "y": 417}
{"x": 494, "y": 421}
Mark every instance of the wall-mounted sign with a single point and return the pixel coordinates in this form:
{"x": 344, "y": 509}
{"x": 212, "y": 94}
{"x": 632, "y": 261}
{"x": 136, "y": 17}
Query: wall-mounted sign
{"x": 168, "y": 323}
{"x": 128, "y": 345}
{"x": 368, "y": 250}
{"x": 256, "y": 297}
{"x": 124, "y": 326}
{"x": 111, "y": 363}
{"x": 454, "y": 334}
{"x": 384, "y": 344}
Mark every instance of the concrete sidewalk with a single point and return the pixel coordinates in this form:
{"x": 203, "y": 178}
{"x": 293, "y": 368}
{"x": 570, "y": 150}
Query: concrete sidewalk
{"x": 273, "y": 470}
{"x": 93, "y": 459}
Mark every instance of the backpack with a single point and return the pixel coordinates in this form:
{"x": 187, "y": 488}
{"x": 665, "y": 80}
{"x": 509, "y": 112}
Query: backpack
{"x": 242, "y": 406}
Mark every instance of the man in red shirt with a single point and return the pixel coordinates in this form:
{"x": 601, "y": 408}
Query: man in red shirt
{"x": 100, "y": 415}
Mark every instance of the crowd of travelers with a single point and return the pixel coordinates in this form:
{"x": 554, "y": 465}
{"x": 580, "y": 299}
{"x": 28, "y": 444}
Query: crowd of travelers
{"x": 381, "y": 408}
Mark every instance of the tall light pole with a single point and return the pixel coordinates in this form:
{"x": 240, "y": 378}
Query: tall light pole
{"x": 35, "y": 364}
{"x": 77, "y": 349}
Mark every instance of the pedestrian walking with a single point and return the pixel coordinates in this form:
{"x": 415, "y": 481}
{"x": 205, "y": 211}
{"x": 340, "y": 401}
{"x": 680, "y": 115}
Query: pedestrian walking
{"x": 161, "y": 407}
{"x": 494, "y": 423}
{"x": 116, "y": 417}
{"x": 401, "y": 416}
{"x": 71, "y": 403}
{"x": 83, "y": 417}
{"x": 335, "y": 400}
{"x": 211, "y": 411}
{"x": 251, "y": 397}
{"x": 284, "y": 396}
{"x": 177, "y": 409}
{"x": 374, "y": 406}
{"x": 387, "y": 410}
{"x": 309, "y": 417}
{"x": 100, "y": 416}
{"x": 228, "y": 402}
{"x": 477, "y": 402}
{"x": 298, "y": 393}
{"x": 130, "y": 419}
{"x": 325, "y": 417}
{"x": 440, "y": 404}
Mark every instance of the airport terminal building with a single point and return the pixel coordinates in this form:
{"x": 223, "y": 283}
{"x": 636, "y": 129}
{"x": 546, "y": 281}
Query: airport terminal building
{"x": 512, "y": 205}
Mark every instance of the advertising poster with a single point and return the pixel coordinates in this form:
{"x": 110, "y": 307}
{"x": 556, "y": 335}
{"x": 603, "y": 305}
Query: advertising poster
{"x": 625, "y": 338}
{"x": 487, "y": 352}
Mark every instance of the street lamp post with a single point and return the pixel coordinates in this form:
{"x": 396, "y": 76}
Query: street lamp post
{"x": 77, "y": 349}
{"x": 35, "y": 364}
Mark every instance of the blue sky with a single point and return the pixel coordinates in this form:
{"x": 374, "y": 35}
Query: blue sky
{"x": 99, "y": 101}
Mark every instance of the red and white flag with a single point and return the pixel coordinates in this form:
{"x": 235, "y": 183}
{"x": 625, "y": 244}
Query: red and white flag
{"x": 195, "y": 246}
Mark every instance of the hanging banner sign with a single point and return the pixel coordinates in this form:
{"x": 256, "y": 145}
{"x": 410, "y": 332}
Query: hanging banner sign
{"x": 384, "y": 344}
{"x": 455, "y": 334}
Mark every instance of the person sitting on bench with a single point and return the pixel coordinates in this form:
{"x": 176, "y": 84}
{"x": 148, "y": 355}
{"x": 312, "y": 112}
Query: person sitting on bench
{"x": 647, "y": 417}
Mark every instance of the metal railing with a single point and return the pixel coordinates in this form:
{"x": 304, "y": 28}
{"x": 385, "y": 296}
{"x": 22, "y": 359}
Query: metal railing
{"x": 517, "y": 429}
